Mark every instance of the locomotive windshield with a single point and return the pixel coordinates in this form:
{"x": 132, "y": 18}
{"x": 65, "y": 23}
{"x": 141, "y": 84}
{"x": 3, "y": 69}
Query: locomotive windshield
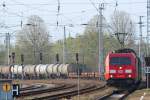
{"x": 120, "y": 61}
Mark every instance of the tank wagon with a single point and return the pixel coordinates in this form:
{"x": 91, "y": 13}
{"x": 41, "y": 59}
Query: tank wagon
{"x": 37, "y": 70}
{"x": 55, "y": 72}
{"x": 5, "y": 71}
{"x": 16, "y": 71}
{"x": 40, "y": 71}
{"x": 29, "y": 71}
{"x": 66, "y": 69}
{"x": 19, "y": 71}
{"x": 60, "y": 69}
{"x": 50, "y": 70}
{"x": 122, "y": 66}
{"x": 43, "y": 71}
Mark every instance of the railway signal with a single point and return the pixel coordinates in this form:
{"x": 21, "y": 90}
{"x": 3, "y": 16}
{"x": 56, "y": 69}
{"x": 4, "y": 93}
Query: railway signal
{"x": 13, "y": 57}
{"x": 22, "y": 58}
{"x": 9, "y": 59}
{"x": 77, "y": 57}
{"x": 57, "y": 58}
{"x": 22, "y": 61}
{"x": 41, "y": 57}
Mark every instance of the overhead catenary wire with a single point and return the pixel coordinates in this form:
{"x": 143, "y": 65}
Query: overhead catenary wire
{"x": 63, "y": 3}
{"x": 31, "y": 7}
{"x": 92, "y": 3}
{"x": 71, "y": 3}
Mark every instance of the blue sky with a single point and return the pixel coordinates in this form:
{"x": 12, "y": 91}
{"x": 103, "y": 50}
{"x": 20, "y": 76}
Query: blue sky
{"x": 71, "y": 12}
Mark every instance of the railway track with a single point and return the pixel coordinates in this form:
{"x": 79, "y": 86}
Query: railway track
{"x": 37, "y": 87}
{"x": 62, "y": 89}
{"x": 119, "y": 94}
{"x": 31, "y": 87}
{"x": 44, "y": 89}
{"x": 69, "y": 93}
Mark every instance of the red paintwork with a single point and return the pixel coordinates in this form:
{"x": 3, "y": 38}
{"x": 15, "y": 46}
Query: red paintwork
{"x": 122, "y": 74}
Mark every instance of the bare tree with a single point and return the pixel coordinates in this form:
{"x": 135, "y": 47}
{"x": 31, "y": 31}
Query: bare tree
{"x": 93, "y": 27}
{"x": 122, "y": 24}
{"x": 34, "y": 37}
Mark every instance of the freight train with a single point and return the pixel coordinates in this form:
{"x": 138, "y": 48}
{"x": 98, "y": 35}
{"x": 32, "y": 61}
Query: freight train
{"x": 122, "y": 67}
{"x": 44, "y": 71}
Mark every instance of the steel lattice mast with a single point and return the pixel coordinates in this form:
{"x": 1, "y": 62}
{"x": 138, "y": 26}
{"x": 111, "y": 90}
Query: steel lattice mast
{"x": 148, "y": 25}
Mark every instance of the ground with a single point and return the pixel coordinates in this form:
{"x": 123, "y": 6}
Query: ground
{"x": 143, "y": 94}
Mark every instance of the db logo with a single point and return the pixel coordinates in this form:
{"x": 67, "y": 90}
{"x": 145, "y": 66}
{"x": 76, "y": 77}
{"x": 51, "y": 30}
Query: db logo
{"x": 120, "y": 71}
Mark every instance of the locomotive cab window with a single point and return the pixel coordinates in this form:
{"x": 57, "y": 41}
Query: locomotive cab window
{"x": 120, "y": 61}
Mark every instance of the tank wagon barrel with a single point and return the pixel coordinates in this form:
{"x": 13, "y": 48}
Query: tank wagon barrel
{"x": 42, "y": 69}
{"x": 14, "y": 69}
{"x": 20, "y": 70}
{"x": 50, "y": 69}
{"x": 29, "y": 71}
{"x": 60, "y": 68}
{"x": 55, "y": 70}
{"x": 5, "y": 71}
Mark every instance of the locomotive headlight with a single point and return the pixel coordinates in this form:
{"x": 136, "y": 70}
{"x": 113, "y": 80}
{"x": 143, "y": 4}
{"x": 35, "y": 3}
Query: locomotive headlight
{"x": 128, "y": 71}
{"x": 111, "y": 76}
{"x": 120, "y": 67}
{"x": 129, "y": 76}
{"x": 112, "y": 71}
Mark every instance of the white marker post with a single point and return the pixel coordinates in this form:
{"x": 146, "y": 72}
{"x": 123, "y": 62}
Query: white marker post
{"x": 147, "y": 71}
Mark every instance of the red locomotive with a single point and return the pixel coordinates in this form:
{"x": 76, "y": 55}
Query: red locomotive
{"x": 122, "y": 66}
